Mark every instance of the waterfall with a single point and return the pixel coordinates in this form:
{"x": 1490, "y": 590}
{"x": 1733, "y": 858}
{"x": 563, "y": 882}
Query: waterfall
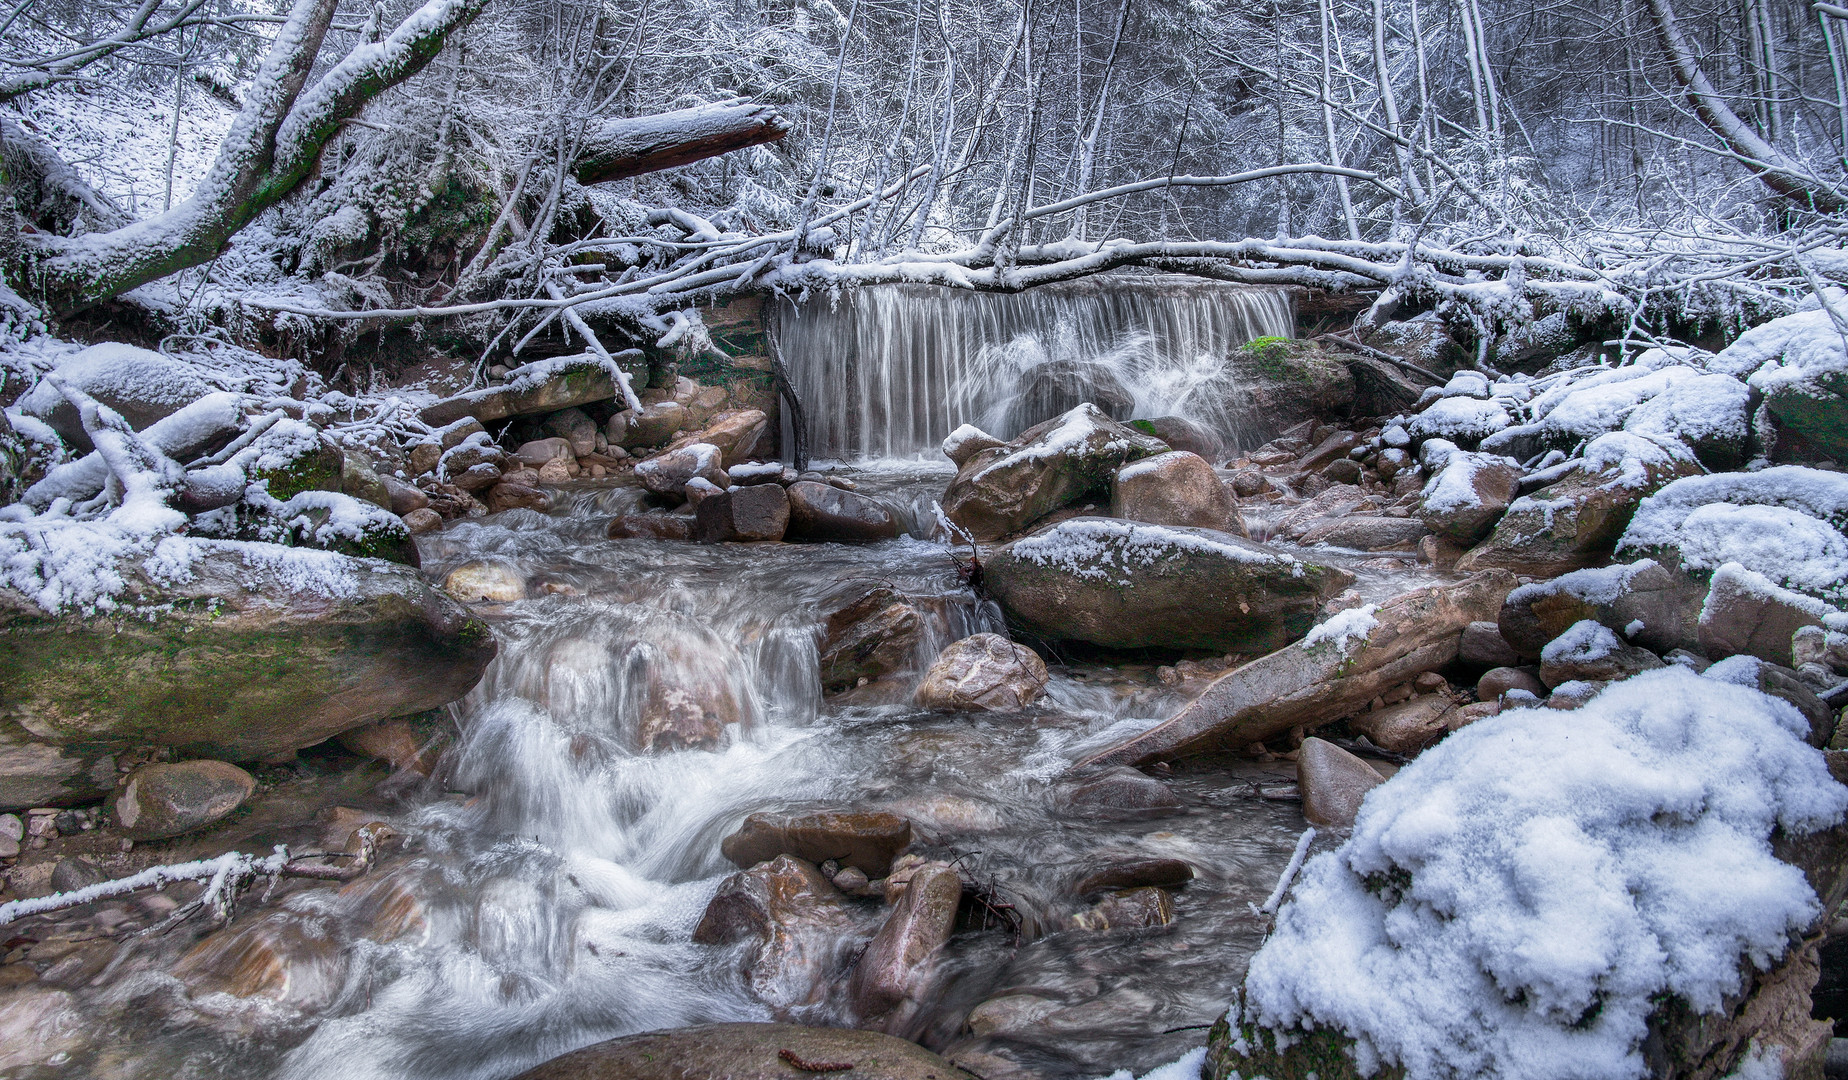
{"x": 888, "y": 371}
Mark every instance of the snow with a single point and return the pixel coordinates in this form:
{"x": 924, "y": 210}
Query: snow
{"x": 1396, "y": 437}
{"x": 1597, "y": 585}
{"x": 1627, "y": 460}
{"x": 1582, "y": 642}
{"x": 963, "y": 436}
{"x": 1785, "y": 350}
{"x": 1454, "y": 486}
{"x": 1343, "y": 627}
{"x": 116, "y": 372}
{"x": 1732, "y": 580}
{"x": 1102, "y": 548}
{"x": 1603, "y": 402}
{"x": 1693, "y": 410}
{"x": 1186, "y": 1067}
{"x": 1467, "y": 384}
{"x": 214, "y": 869}
{"x": 1459, "y": 419}
{"x": 1513, "y": 902}
{"x": 1782, "y": 522}
{"x": 1149, "y": 465}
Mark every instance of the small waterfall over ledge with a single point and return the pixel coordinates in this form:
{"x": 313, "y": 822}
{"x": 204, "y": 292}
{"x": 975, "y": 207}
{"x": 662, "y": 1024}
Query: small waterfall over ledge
{"x": 888, "y": 371}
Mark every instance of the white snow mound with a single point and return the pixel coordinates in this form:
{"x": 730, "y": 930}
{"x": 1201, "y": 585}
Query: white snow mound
{"x": 1511, "y": 904}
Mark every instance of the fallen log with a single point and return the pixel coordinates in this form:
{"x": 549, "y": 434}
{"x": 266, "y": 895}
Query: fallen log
{"x": 629, "y": 147}
{"x": 1327, "y": 675}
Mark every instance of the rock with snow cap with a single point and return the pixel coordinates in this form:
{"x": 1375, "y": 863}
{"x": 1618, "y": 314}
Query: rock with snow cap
{"x": 1466, "y": 497}
{"x": 1002, "y": 490}
{"x": 1589, "y": 651}
{"x": 1123, "y": 584}
{"x": 141, "y": 385}
{"x": 543, "y": 386}
{"x": 667, "y": 473}
{"x": 1176, "y": 488}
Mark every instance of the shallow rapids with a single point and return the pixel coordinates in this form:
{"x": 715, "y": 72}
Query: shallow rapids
{"x": 647, "y": 696}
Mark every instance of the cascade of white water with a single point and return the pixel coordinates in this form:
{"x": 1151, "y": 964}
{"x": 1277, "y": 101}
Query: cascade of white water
{"x": 888, "y": 371}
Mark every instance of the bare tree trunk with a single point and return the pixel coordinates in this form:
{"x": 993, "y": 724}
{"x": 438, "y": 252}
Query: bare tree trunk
{"x": 1760, "y": 158}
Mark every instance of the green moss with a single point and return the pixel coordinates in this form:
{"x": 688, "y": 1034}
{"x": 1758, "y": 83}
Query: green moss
{"x": 1314, "y": 1055}
{"x": 315, "y": 471}
{"x": 1275, "y": 358}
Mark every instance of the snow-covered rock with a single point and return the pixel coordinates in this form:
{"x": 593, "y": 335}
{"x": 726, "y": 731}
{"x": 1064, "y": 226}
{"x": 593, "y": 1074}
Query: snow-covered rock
{"x": 1047, "y": 467}
{"x": 1122, "y": 584}
{"x": 1468, "y": 493}
{"x": 139, "y": 384}
{"x": 1800, "y": 364}
{"x": 1465, "y": 421}
{"x": 1643, "y": 601}
{"x": 1176, "y": 488}
{"x": 1542, "y": 892}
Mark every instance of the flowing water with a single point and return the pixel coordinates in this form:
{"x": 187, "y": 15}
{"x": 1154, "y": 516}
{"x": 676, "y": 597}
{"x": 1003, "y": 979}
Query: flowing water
{"x": 649, "y": 695}
{"x": 889, "y": 371}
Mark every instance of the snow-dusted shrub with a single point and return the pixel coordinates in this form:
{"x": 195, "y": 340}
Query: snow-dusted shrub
{"x": 1518, "y": 902}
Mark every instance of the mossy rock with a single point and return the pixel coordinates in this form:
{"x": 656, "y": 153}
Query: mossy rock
{"x": 318, "y": 470}
{"x": 1294, "y": 380}
{"x": 241, "y": 660}
{"x": 1312, "y": 1055}
{"x": 1816, "y": 409}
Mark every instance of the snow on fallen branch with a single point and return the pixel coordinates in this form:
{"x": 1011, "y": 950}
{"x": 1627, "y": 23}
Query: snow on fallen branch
{"x": 225, "y": 876}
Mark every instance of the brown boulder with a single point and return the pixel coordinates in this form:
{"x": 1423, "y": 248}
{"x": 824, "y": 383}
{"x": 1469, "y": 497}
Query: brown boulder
{"x": 1666, "y": 603}
{"x": 1407, "y": 726}
{"x": 667, "y": 473}
{"x": 650, "y": 527}
{"x": 748, "y": 1052}
{"x": 1466, "y": 497}
{"x": 801, "y": 928}
{"x": 1135, "y": 875}
{"x": 983, "y": 672}
{"x": 1484, "y": 644}
{"x": 868, "y": 840}
{"x": 756, "y": 513}
{"x": 1004, "y": 489}
{"x": 1176, "y": 488}
{"x": 1123, "y": 792}
{"x": 1496, "y": 682}
{"x": 1333, "y": 782}
{"x": 506, "y": 496}
{"x": 895, "y": 968}
{"x": 825, "y": 512}
{"x": 876, "y": 635}
{"x": 159, "y": 801}
{"x": 1367, "y": 533}
{"x": 1746, "y": 613}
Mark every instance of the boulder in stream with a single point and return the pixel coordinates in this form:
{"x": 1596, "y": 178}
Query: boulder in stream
{"x": 825, "y": 512}
{"x": 749, "y": 1052}
{"x": 869, "y": 840}
{"x": 667, "y": 473}
{"x": 1125, "y": 585}
{"x": 746, "y": 514}
{"x": 801, "y": 928}
{"x": 238, "y": 650}
{"x": 1004, "y": 489}
{"x": 983, "y": 672}
{"x": 895, "y": 969}
{"x": 1128, "y": 909}
{"x": 1176, "y": 488}
{"x": 876, "y": 635}
{"x": 1333, "y": 783}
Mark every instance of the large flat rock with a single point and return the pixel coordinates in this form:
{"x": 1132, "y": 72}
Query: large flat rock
{"x": 543, "y": 386}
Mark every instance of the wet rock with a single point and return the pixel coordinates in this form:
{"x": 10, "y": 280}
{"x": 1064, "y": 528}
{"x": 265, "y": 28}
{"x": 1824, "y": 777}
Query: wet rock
{"x": 1315, "y": 681}
{"x": 735, "y": 433}
{"x": 34, "y": 773}
{"x": 1408, "y": 726}
{"x": 141, "y": 385}
{"x": 1131, "y": 909}
{"x": 1124, "y": 792}
{"x": 251, "y": 654}
{"x": 743, "y": 515}
{"x": 983, "y": 672}
{"x": 667, "y": 473}
{"x": 825, "y": 512}
{"x": 876, "y": 635}
{"x": 1482, "y": 643}
{"x": 1004, "y": 489}
{"x": 536, "y": 453}
{"x": 1134, "y": 875}
{"x": 279, "y": 958}
{"x": 76, "y": 872}
{"x": 159, "y": 801}
{"x": 40, "y": 1027}
{"x": 652, "y": 426}
{"x": 1010, "y": 1012}
{"x": 1367, "y": 533}
{"x": 1468, "y": 495}
{"x": 966, "y": 442}
{"x": 684, "y": 707}
{"x": 1333, "y": 783}
{"x": 486, "y": 583}
{"x": 895, "y": 969}
{"x": 508, "y": 496}
{"x": 650, "y": 527}
{"x": 768, "y": 472}
{"x": 797, "y": 922}
{"x": 748, "y": 1052}
{"x": 1331, "y": 449}
{"x": 401, "y": 497}
{"x": 868, "y": 840}
{"x": 1183, "y": 434}
{"x": 1249, "y": 483}
{"x": 1125, "y": 585}
{"x": 574, "y": 426}
{"x": 1176, "y": 488}
{"x": 1588, "y": 651}
{"x": 403, "y": 742}
{"x": 1496, "y": 682}
{"x": 542, "y": 386}
{"x": 1645, "y": 602}
{"x": 1745, "y": 613}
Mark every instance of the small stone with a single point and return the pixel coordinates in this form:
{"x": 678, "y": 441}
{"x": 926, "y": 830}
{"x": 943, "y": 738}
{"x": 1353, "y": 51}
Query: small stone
{"x": 1573, "y": 695}
{"x": 76, "y": 872}
{"x": 1131, "y": 909}
{"x": 423, "y": 521}
{"x": 11, "y": 827}
{"x": 1482, "y": 643}
{"x": 1343, "y": 471}
{"x": 867, "y": 840}
{"x": 166, "y": 800}
{"x": 1496, "y": 682}
{"x": 1396, "y": 694}
{"x": 1469, "y": 714}
{"x": 424, "y": 456}
{"x": 851, "y": 880}
{"x": 1430, "y": 682}
{"x": 485, "y": 583}
{"x": 554, "y": 471}
{"x": 983, "y": 672}
{"x": 1333, "y": 782}
{"x": 1407, "y": 726}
